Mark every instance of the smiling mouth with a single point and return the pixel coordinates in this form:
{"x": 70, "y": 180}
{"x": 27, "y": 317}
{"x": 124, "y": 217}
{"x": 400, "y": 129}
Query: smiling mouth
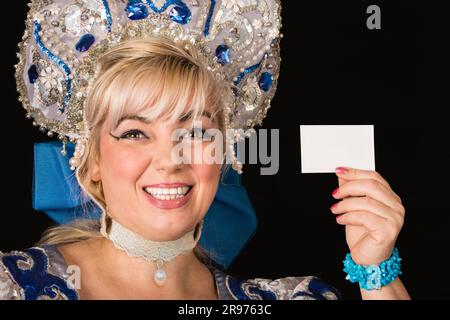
{"x": 168, "y": 193}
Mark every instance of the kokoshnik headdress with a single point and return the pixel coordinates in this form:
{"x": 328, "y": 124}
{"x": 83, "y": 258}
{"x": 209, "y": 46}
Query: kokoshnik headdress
{"x": 238, "y": 41}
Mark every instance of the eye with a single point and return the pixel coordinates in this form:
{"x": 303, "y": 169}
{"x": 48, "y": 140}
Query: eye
{"x": 196, "y": 133}
{"x": 133, "y": 135}
{"x": 199, "y": 134}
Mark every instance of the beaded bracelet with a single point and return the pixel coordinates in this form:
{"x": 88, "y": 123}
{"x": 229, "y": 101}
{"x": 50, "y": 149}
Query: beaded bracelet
{"x": 373, "y": 276}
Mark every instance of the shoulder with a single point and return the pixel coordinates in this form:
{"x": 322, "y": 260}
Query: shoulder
{"x": 34, "y": 273}
{"x": 288, "y": 288}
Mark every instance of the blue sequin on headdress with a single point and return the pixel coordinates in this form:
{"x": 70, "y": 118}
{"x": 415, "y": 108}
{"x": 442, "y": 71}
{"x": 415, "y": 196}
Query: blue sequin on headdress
{"x": 165, "y": 5}
{"x": 62, "y": 64}
{"x": 223, "y": 54}
{"x": 180, "y": 13}
{"x": 33, "y": 74}
{"x": 208, "y": 19}
{"x": 245, "y": 72}
{"x": 85, "y": 43}
{"x": 108, "y": 15}
{"x": 136, "y": 10}
{"x": 266, "y": 80}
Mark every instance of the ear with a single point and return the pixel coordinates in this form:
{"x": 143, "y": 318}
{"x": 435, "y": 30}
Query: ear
{"x": 95, "y": 171}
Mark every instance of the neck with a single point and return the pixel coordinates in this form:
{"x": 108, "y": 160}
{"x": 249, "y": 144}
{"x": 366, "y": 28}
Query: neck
{"x": 163, "y": 268}
{"x": 184, "y": 273}
{"x": 151, "y": 251}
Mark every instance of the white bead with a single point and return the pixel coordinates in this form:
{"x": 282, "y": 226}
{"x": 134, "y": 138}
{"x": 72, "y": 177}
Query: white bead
{"x": 160, "y": 277}
{"x": 73, "y": 162}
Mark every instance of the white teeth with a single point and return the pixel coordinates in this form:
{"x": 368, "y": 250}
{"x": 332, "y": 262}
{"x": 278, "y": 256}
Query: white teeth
{"x": 167, "y": 193}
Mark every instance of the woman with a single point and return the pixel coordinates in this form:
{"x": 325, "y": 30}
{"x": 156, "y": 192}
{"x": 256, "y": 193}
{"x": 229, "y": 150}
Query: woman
{"x": 145, "y": 89}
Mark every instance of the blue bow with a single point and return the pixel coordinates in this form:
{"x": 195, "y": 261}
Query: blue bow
{"x": 228, "y": 225}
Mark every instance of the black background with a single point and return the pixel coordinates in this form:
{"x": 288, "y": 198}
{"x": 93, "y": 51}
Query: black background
{"x": 334, "y": 71}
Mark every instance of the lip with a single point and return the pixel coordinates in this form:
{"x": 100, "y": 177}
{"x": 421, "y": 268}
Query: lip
{"x": 168, "y": 185}
{"x": 169, "y": 204}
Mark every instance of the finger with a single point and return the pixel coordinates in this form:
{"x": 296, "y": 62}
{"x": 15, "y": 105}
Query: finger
{"x": 379, "y": 229}
{"x": 376, "y": 176}
{"x": 341, "y": 181}
{"x": 371, "y": 188}
{"x": 348, "y": 173}
{"x": 367, "y": 204}
{"x": 362, "y": 218}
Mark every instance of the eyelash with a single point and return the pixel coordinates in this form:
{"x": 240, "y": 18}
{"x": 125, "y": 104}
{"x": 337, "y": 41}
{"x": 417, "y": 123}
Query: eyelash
{"x": 134, "y": 131}
{"x": 192, "y": 134}
{"x": 194, "y": 131}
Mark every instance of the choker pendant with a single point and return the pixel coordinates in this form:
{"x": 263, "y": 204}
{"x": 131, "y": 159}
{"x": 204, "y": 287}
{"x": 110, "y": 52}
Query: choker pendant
{"x": 160, "y": 275}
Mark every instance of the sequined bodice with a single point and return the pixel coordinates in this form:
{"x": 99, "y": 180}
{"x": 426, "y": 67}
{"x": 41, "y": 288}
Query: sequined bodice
{"x": 41, "y": 273}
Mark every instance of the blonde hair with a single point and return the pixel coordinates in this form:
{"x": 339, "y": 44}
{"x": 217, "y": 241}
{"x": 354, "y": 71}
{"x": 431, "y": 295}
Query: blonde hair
{"x": 133, "y": 76}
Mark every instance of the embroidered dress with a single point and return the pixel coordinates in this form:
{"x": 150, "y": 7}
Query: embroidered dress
{"x": 40, "y": 273}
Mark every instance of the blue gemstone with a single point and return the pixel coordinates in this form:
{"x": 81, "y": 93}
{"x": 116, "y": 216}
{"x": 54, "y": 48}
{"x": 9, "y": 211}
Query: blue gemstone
{"x": 180, "y": 14}
{"x": 266, "y": 81}
{"x": 136, "y": 10}
{"x": 33, "y": 74}
{"x": 85, "y": 42}
{"x": 223, "y": 54}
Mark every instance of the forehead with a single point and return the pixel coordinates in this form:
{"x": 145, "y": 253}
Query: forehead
{"x": 160, "y": 97}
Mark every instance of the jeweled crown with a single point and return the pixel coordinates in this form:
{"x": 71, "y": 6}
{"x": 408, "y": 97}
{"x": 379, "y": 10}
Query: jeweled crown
{"x": 239, "y": 40}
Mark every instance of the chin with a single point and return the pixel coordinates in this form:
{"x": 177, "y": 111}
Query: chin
{"x": 161, "y": 227}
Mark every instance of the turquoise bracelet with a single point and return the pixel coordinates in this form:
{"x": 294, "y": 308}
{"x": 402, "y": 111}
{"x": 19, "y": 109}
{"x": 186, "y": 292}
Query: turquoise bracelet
{"x": 373, "y": 276}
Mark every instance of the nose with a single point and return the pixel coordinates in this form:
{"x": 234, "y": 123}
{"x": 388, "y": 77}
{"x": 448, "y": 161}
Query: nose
{"x": 162, "y": 157}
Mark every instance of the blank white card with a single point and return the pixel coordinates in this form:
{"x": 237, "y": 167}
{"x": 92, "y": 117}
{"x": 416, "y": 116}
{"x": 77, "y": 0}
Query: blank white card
{"x": 323, "y": 148}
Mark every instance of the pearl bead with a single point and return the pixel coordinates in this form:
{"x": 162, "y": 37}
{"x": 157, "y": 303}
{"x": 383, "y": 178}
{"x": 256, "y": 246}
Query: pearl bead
{"x": 160, "y": 277}
{"x": 73, "y": 162}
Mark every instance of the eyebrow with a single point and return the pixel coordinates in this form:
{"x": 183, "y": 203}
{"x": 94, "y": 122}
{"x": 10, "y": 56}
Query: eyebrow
{"x": 134, "y": 117}
{"x": 145, "y": 120}
{"x": 188, "y": 116}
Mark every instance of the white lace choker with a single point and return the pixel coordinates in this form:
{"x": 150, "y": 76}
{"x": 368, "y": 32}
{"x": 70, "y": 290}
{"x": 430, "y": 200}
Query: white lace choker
{"x": 160, "y": 251}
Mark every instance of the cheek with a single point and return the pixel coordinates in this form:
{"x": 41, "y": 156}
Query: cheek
{"x": 119, "y": 162}
{"x": 207, "y": 173}
{"x": 208, "y": 177}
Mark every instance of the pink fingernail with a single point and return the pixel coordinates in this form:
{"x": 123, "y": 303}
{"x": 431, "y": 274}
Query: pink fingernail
{"x": 341, "y": 170}
{"x": 335, "y": 191}
{"x": 333, "y": 206}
